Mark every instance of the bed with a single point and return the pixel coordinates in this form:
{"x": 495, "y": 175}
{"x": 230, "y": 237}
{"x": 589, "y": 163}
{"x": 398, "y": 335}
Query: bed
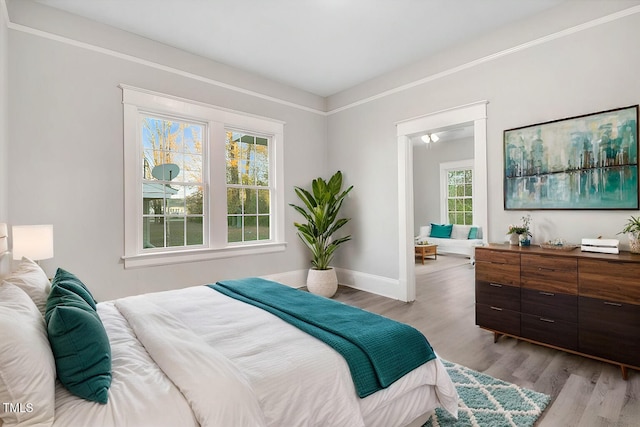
{"x": 187, "y": 357}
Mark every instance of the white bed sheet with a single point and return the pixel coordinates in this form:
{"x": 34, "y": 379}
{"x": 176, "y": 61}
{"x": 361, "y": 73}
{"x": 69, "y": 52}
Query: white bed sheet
{"x": 264, "y": 349}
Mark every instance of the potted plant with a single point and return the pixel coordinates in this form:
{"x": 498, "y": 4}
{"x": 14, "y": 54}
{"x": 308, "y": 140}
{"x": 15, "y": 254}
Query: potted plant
{"x": 632, "y": 230}
{"x": 520, "y": 234}
{"x": 321, "y": 207}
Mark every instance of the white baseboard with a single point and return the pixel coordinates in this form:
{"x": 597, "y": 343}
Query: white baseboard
{"x": 378, "y": 285}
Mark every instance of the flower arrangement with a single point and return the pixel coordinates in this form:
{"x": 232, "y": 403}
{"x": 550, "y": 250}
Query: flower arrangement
{"x": 521, "y": 229}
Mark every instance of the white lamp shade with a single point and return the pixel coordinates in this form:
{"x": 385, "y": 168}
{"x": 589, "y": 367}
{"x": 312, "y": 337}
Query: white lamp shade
{"x": 33, "y": 241}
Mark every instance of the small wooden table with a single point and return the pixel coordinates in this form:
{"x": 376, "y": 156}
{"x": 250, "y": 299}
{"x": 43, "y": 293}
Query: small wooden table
{"x": 424, "y": 251}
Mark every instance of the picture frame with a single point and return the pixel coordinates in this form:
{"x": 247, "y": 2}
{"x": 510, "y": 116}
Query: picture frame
{"x": 587, "y": 162}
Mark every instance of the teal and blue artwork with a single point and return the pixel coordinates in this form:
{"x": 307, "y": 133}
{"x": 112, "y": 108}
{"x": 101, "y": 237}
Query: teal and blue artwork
{"x": 583, "y": 162}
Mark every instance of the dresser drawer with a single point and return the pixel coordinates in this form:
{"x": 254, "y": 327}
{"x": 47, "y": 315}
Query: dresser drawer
{"x": 550, "y": 330}
{"x": 549, "y": 273}
{"x": 609, "y": 280}
{"x": 497, "y": 257}
{"x": 506, "y": 274}
{"x": 498, "y": 295}
{"x": 498, "y": 319}
{"x": 548, "y": 304}
{"x": 610, "y": 330}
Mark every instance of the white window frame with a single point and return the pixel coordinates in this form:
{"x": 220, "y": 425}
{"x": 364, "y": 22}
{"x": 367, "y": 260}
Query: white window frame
{"x": 446, "y": 167}
{"x": 138, "y": 101}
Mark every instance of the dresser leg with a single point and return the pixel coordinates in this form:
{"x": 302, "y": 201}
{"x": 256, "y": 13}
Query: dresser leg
{"x": 625, "y": 374}
{"x": 496, "y": 336}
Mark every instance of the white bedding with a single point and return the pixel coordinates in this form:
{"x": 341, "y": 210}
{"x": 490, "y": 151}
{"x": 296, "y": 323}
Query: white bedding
{"x": 194, "y": 356}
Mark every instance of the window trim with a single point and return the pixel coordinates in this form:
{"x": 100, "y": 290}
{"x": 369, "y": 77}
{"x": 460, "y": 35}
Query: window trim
{"x": 135, "y": 101}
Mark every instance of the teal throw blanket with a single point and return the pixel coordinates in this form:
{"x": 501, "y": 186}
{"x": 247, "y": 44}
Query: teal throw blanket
{"x": 378, "y": 350}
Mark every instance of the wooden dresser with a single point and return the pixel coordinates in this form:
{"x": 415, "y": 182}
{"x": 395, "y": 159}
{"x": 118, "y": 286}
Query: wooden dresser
{"x": 581, "y": 302}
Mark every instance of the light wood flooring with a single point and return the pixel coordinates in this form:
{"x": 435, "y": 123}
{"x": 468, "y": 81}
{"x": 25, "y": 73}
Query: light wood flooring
{"x": 584, "y": 392}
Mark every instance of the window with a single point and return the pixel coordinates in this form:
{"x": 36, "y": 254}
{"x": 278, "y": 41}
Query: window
{"x": 172, "y": 182}
{"x": 248, "y": 191}
{"x": 457, "y": 180}
{"x": 200, "y": 182}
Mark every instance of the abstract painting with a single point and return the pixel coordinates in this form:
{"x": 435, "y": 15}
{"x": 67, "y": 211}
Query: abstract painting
{"x": 582, "y": 162}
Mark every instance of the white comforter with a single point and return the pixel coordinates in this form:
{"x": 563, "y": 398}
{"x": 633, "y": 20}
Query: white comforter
{"x": 194, "y": 356}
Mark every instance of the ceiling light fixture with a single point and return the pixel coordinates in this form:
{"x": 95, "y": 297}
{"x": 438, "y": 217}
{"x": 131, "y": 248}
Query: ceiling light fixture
{"x": 430, "y": 138}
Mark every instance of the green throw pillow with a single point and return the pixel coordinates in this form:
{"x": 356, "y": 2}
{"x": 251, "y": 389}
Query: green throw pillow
{"x": 473, "y": 233}
{"x": 80, "y": 345}
{"x": 441, "y": 230}
{"x": 69, "y": 281}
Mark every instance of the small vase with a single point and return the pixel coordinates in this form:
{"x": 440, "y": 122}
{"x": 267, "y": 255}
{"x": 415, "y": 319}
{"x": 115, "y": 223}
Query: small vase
{"x": 634, "y": 243}
{"x": 524, "y": 240}
{"x": 513, "y": 239}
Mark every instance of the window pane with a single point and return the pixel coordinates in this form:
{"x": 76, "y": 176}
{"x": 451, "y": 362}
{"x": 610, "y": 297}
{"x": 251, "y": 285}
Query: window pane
{"x": 263, "y": 228}
{"x": 195, "y": 231}
{"x": 153, "y": 232}
{"x": 452, "y": 218}
{"x": 468, "y": 218}
{"x": 459, "y": 218}
{"x": 468, "y": 191}
{"x": 193, "y": 200}
{"x": 234, "y": 228}
{"x": 250, "y": 228}
{"x": 251, "y": 201}
{"x": 264, "y": 197}
{"x": 175, "y": 231}
{"x": 234, "y": 203}
{"x": 452, "y": 190}
{"x": 262, "y": 161}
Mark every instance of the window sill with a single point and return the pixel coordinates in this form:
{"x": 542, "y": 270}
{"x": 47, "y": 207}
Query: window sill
{"x": 166, "y": 258}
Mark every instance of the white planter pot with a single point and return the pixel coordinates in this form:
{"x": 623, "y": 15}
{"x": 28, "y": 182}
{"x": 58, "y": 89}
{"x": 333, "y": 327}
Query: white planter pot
{"x": 322, "y": 282}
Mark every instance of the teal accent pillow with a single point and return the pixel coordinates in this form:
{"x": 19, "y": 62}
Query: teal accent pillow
{"x": 80, "y": 345}
{"x": 473, "y": 233}
{"x": 69, "y": 281}
{"x": 441, "y": 230}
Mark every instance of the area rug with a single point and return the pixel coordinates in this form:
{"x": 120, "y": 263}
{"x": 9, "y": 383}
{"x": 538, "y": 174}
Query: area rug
{"x": 489, "y": 402}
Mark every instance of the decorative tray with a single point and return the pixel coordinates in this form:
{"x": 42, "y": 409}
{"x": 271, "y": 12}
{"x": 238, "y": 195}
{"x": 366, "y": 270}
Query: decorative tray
{"x": 563, "y": 247}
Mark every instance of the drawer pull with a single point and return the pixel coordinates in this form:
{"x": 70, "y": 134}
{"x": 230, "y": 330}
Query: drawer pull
{"x": 545, "y": 269}
{"x": 542, "y": 319}
{"x": 548, "y": 294}
{"x": 495, "y": 285}
{"x": 496, "y": 308}
{"x": 615, "y": 304}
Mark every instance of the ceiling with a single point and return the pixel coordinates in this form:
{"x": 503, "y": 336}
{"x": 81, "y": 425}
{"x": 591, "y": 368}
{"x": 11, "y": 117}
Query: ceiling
{"x": 320, "y": 46}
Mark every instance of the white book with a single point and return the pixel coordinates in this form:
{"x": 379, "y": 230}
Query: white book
{"x": 600, "y": 249}
{"x": 601, "y": 242}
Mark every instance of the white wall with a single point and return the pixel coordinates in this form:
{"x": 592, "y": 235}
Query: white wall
{"x": 4, "y": 114}
{"x": 530, "y": 73}
{"x": 66, "y": 146}
{"x": 426, "y": 176}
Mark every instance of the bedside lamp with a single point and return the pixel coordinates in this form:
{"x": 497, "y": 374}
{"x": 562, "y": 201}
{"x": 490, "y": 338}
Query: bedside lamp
{"x": 33, "y": 241}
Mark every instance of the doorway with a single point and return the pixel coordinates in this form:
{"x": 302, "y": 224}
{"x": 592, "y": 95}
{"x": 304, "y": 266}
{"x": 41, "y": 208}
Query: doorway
{"x": 467, "y": 114}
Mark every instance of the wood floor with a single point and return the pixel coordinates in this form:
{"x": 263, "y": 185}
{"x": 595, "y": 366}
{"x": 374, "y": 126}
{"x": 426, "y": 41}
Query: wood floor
{"x": 584, "y": 392}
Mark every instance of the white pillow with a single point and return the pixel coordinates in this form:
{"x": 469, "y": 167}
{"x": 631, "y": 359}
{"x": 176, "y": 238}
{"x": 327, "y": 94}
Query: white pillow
{"x": 27, "y": 377}
{"x": 33, "y": 280}
{"x": 460, "y": 232}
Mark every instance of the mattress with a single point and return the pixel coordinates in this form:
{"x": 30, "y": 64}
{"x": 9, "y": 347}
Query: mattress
{"x": 197, "y": 357}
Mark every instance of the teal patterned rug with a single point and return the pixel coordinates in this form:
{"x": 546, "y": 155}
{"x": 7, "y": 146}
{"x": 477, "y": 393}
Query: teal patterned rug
{"x": 489, "y": 402}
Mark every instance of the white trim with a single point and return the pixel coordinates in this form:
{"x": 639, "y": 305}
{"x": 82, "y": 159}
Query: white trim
{"x": 135, "y": 101}
{"x": 378, "y": 285}
{"x": 151, "y": 64}
{"x": 476, "y": 113}
{"x": 523, "y": 46}
{"x": 195, "y": 255}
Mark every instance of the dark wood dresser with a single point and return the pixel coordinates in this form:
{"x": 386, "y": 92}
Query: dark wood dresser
{"x": 581, "y": 302}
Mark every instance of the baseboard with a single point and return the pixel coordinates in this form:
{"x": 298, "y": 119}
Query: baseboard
{"x": 378, "y": 285}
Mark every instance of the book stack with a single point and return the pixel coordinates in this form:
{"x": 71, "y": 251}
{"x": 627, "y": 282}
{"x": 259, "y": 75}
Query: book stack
{"x": 605, "y": 246}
